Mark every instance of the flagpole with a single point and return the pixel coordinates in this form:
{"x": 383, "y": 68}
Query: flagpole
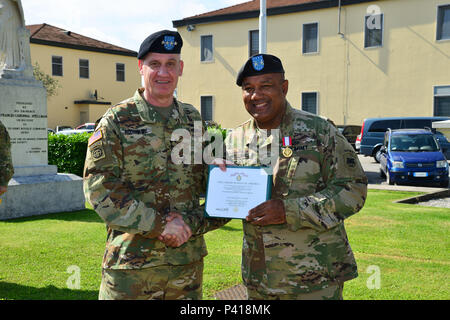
{"x": 263, "y": 27}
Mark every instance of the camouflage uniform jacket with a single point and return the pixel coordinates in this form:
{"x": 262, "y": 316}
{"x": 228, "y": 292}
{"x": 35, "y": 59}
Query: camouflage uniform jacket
{"x": 6, "y": 167}
{"x": 321, "y": 184}
{"x": 132, "y": 183}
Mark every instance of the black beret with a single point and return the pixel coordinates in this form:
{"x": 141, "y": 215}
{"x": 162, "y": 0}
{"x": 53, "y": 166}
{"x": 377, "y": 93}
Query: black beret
{"x": 164, "y": 41}
{"x": 259, "y": 64}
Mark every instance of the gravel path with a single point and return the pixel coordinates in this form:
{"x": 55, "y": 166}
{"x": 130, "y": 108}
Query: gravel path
{"x": 442, "y": 203}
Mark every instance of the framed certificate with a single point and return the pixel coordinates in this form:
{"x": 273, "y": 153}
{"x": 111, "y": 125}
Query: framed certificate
{"x": 233, "y": 193}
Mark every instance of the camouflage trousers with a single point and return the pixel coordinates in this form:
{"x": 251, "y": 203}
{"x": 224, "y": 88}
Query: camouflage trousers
{"x": 333, "y": 292}
{"x": 182, "y": 282}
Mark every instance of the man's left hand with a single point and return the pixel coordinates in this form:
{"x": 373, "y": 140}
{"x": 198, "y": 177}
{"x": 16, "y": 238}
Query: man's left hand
{"x": 267, "y": 213}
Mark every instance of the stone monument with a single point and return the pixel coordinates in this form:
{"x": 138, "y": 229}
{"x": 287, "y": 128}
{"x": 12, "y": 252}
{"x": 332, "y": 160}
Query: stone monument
{"x": 36, "y": 187}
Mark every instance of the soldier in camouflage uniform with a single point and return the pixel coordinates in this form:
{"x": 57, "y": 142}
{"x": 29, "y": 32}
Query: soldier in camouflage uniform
{"x": 6, "y": 167}
{"x": 149, "y": 203}
{"x": 295, "y": 245}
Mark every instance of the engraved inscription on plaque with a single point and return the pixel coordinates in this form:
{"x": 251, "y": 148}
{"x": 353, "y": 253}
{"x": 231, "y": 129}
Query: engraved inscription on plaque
{"x": 27, "y": 128}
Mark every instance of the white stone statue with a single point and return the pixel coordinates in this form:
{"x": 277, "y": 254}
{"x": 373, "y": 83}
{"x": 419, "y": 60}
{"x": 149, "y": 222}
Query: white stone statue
{"x": 15, "y": 60}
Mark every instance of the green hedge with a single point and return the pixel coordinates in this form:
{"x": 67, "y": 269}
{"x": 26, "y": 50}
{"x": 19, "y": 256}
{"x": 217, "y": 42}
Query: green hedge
{"x": 68, "y": 152}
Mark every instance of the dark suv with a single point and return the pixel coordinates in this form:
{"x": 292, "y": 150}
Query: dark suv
{"x": 413, "y": 156}
{"x": 370, "y": 140}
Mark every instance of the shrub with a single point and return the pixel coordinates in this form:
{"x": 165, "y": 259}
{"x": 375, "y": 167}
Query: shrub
{"x": 214, "y": 127}
{"x": 68, "y": 152}
{"x": 214, "y": 130}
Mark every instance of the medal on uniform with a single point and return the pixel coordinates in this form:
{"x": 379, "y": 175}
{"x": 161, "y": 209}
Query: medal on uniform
{"x": 287, "y": 143}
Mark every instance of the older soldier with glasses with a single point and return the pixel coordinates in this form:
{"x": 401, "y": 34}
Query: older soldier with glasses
{"x": 295, "y": 244}
{"x": 149, "y": 203}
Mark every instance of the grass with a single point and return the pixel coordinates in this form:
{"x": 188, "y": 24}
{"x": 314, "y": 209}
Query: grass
{"x": 408, "y": 244}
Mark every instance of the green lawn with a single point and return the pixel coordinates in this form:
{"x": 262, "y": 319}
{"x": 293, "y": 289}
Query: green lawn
{"x": 408, "y": 244}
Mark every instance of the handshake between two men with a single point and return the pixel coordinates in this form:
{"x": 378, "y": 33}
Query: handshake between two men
{"x": 177, "y": 232}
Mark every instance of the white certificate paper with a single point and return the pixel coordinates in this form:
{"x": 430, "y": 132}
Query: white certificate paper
{"x": 233, "y": 193}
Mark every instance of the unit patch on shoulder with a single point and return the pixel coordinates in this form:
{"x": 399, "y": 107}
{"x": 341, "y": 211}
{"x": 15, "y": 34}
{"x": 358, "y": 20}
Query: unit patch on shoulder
{"x": 97, "y": 135}
{"x": 97, "y": 150}
{"x": 98, "y": 153}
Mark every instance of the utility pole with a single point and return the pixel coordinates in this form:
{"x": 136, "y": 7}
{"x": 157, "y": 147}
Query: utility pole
{"x": 263, "y": 27}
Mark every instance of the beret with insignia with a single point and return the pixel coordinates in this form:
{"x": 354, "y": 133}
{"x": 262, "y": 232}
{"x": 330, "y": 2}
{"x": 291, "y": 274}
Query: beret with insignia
{"x": 259, "y": 64}
{"x": 164, "y": 41}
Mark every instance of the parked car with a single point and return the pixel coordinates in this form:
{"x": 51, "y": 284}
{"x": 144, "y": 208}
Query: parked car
{"x": 62, "y": 128}
{"x": 413, "y": 156}
{"x": 50, "y": 131}
{"x": 358, "y": 143}
{"x": 86, "y": 126}
{"x": 372, "y": 132}
{"x": 74, "y": 131}
{"x": 350, "y": 132}
{"x": 443, "y": 142}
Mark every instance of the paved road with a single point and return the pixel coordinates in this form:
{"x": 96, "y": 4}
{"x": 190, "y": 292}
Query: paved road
{"x": 372, "y": 170}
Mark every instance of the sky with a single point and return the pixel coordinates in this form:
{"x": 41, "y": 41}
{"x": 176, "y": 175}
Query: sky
{"x": 123, "y": 23}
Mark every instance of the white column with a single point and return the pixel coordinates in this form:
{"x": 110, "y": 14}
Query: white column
{"x": 263, "y": 27}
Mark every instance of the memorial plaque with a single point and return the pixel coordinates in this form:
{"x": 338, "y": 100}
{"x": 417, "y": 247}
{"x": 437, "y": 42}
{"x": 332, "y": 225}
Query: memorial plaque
{"x": 36, "y": 187}
{"x": 26, "y": 122}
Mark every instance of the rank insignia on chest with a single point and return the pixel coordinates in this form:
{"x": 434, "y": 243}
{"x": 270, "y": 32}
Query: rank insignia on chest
{"x": 287, "y": 143}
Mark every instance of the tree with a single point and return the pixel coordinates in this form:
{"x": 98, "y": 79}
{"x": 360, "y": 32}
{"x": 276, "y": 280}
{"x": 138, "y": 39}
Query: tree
{"x": 51, "y": 85}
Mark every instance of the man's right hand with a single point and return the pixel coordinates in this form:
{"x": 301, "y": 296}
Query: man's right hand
{"x": 176, "y": 232}
{"x": 222, "y": 163}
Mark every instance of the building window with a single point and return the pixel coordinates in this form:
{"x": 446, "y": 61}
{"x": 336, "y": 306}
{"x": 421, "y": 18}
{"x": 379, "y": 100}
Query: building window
{"x": 57, "y": 66}
{"x": 253, "y": 42}
{"x": 309, "y": 102}
{"x": 84, "y": 69}
{"x": 206, "y": 108}
{"x": 373, "y": 30}
{"x": 310, "y": 38}
{"x": 442, "y": 101}
{"x": 120, "y": 72}
{"x": 443, "y": 23}
{"x": 206, "y": 48}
